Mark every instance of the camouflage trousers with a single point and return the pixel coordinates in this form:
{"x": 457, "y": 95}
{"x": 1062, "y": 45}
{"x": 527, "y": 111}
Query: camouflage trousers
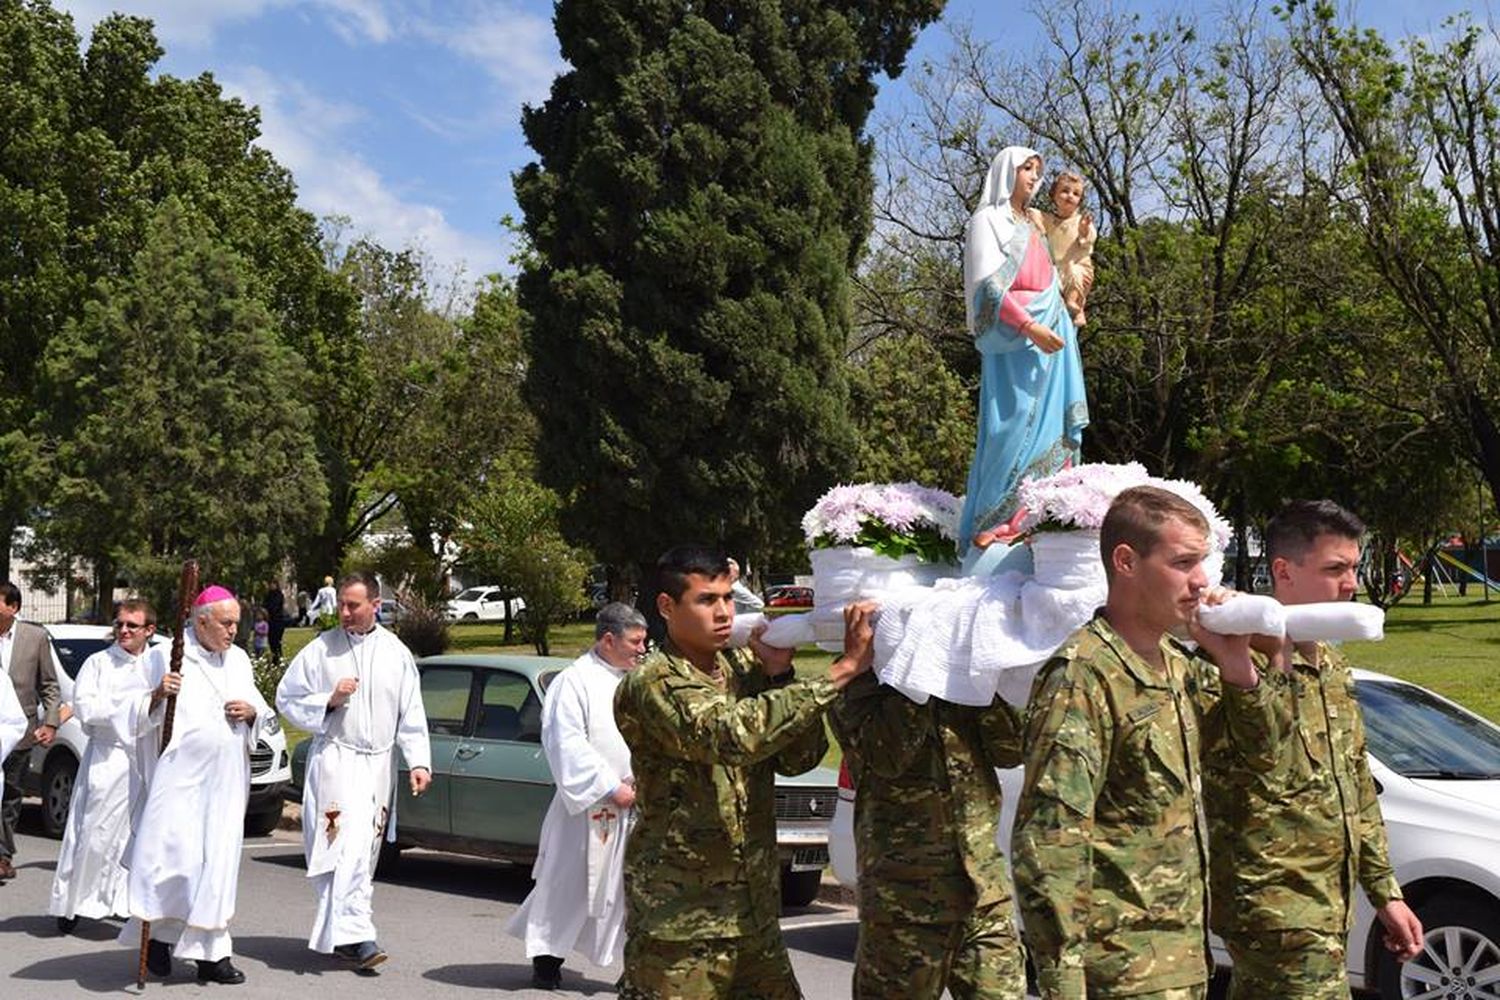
{"x": 748, "y": 967}
{"x": 1178, "y": 993}
{"x": 975, "y": 959}
{"x": 1288, "y": 965}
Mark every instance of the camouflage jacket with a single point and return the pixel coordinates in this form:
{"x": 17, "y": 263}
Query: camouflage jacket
{"x": 1288, "y": 844}
{"x": 928, "y": 809}
{"x": 1109, "y": 845}
{"x": 701, "y": 861}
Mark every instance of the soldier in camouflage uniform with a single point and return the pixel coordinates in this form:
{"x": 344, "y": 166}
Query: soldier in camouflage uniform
{"x": 1289, "y": 844}
{"x": 1110, "y": 853}
{"x": 934, "y": 896}
{"x": 708, "y": 730}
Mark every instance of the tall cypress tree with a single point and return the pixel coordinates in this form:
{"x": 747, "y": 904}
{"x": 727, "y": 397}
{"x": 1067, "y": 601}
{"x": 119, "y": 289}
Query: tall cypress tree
{"x": 701, "y": 193}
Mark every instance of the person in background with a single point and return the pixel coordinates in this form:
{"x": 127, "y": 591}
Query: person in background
{"x": 356, "y": 689}
{"x": 26, "y": 656}
{"x": 1109, "y": 846}
{"x": 1290, "y": 843}
{"x": 89, "y": 880}
{"x": 708, "y": 730}
{"x": 578, "y": 903}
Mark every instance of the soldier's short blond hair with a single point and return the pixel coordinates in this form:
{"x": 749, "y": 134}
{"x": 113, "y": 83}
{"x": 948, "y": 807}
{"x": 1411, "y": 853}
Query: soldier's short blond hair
{"x": 1136, "y": 518}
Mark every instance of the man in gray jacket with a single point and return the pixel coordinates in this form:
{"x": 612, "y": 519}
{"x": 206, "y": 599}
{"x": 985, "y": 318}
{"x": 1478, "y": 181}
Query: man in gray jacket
{"x": 26, "y": 655}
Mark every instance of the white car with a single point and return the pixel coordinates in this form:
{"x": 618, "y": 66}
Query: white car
{"x": 1436, "y": 766}
{"x": 484, "y": 604}
{"x": 54, "y": 768}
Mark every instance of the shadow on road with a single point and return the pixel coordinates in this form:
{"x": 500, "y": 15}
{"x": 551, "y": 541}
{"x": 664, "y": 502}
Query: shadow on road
{"x": 287, "y": 954}
{"x": 46, "y": 927}
{"x": 456, "y": 874}
{"x": 107, "y": 971}
{"x": 511, "y": 976}
{"x": 835, "y": 941}
{"x": 460, "y": 875}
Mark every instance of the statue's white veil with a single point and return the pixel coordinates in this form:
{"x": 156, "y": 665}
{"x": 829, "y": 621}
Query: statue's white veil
{"x": 992, "y": 225}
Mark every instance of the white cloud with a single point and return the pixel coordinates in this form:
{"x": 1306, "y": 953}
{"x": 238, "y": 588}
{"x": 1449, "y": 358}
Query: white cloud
{"x": 304, "y": 132}
{"x": 197, "y": 22}
{"x": 358, "y": 20}
{"x": 514, "y": 47}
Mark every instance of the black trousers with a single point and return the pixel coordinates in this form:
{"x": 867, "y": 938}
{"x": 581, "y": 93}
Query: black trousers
{"x": 10, "y": 809}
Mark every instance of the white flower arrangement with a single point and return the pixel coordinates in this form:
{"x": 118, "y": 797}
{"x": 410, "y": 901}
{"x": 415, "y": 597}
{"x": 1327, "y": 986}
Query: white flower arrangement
{"x": 1079, "y": 497}
{"x": 894, "y": 519}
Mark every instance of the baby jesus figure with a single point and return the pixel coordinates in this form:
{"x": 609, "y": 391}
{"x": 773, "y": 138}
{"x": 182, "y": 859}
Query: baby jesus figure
{"x": 1070, "y": 240}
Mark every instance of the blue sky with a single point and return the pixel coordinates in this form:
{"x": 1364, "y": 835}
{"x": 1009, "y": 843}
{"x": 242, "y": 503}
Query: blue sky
{"x": 404, "y": 114}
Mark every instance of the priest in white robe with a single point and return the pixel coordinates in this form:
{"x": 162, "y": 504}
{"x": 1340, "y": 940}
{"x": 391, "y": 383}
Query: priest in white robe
{"x": 356, "y": 689}
{"x": 578, "y": 903}
{"x": 184, "y": 858}
{"x": 13, "y": 722}
{"x": 89, "y": 880}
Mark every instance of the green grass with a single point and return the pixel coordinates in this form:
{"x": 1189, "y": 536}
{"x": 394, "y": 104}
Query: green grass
{"x": 1452, "y": 647}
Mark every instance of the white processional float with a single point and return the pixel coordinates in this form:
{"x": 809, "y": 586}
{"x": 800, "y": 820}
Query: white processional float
{"x": 967, "y": 638}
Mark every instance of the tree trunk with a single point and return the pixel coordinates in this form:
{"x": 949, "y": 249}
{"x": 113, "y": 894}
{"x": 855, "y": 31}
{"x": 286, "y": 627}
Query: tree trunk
{"x": 1486, "y": 437}
{"x": 7, "y": 535}
{"x": 1242, "y": 546}
{"x": 104, "y": 588}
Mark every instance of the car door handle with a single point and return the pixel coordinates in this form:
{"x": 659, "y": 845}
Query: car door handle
{"x": 468, "y": 752}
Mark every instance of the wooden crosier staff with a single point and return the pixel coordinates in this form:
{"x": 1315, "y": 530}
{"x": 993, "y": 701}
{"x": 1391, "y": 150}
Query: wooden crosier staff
{"x": 187, "y": 587}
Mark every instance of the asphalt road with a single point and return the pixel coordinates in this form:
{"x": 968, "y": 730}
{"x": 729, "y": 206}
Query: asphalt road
{"x": 441, "y": 918}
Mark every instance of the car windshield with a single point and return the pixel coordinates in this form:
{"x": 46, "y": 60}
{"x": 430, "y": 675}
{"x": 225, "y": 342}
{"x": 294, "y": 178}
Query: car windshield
{"x": 72, "y": 652}
{"x": 1418, "y": 735}
{"x": 472, "y": 594}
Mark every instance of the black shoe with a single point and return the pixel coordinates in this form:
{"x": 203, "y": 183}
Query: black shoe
{"x": 65, "y": 925}
{"x": 546, "y": 972}
{"x": 159, "y": 958}
{"x": 222, "y": 971}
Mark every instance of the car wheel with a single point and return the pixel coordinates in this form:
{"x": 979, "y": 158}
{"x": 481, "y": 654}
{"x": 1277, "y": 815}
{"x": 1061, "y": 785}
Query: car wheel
{"x": 470, "y": 616}
{"x": 1461, "y": 960}
{"x": 800, "y": 888}
{"x": 57, "y": 793}
{"x": 260, "y": 824}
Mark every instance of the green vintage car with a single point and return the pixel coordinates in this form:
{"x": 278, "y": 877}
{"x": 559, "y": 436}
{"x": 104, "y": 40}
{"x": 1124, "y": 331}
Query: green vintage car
{"x": 491, "y": 784}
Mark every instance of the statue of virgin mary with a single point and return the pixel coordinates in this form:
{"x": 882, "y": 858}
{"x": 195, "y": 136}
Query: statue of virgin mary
{"x": 1032, "y": 409}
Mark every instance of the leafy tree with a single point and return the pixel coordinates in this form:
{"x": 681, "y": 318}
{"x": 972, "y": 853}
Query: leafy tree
{"x": 474, "y": 425}
{"x": 179, "y": 434}
{"x": 1417, "y": 168}
{"x": 701, "y": 192}
{"x": 43, "y": 72}
{"x": 914, "y": 416}
{"x": 1241, "y": 333}
{"x": 511, "y": 532}
{"x": 91, "y": 144}
{"x": 367, "y": 377}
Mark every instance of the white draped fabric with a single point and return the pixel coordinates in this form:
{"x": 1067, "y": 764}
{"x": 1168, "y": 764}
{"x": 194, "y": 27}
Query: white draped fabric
{"x": 185, "y": 854}
{"x": 348, "y": 798}
{"x": 578, "y": 902}
{"x": 90, "y": 880}
{"x": 12, "y": 718}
